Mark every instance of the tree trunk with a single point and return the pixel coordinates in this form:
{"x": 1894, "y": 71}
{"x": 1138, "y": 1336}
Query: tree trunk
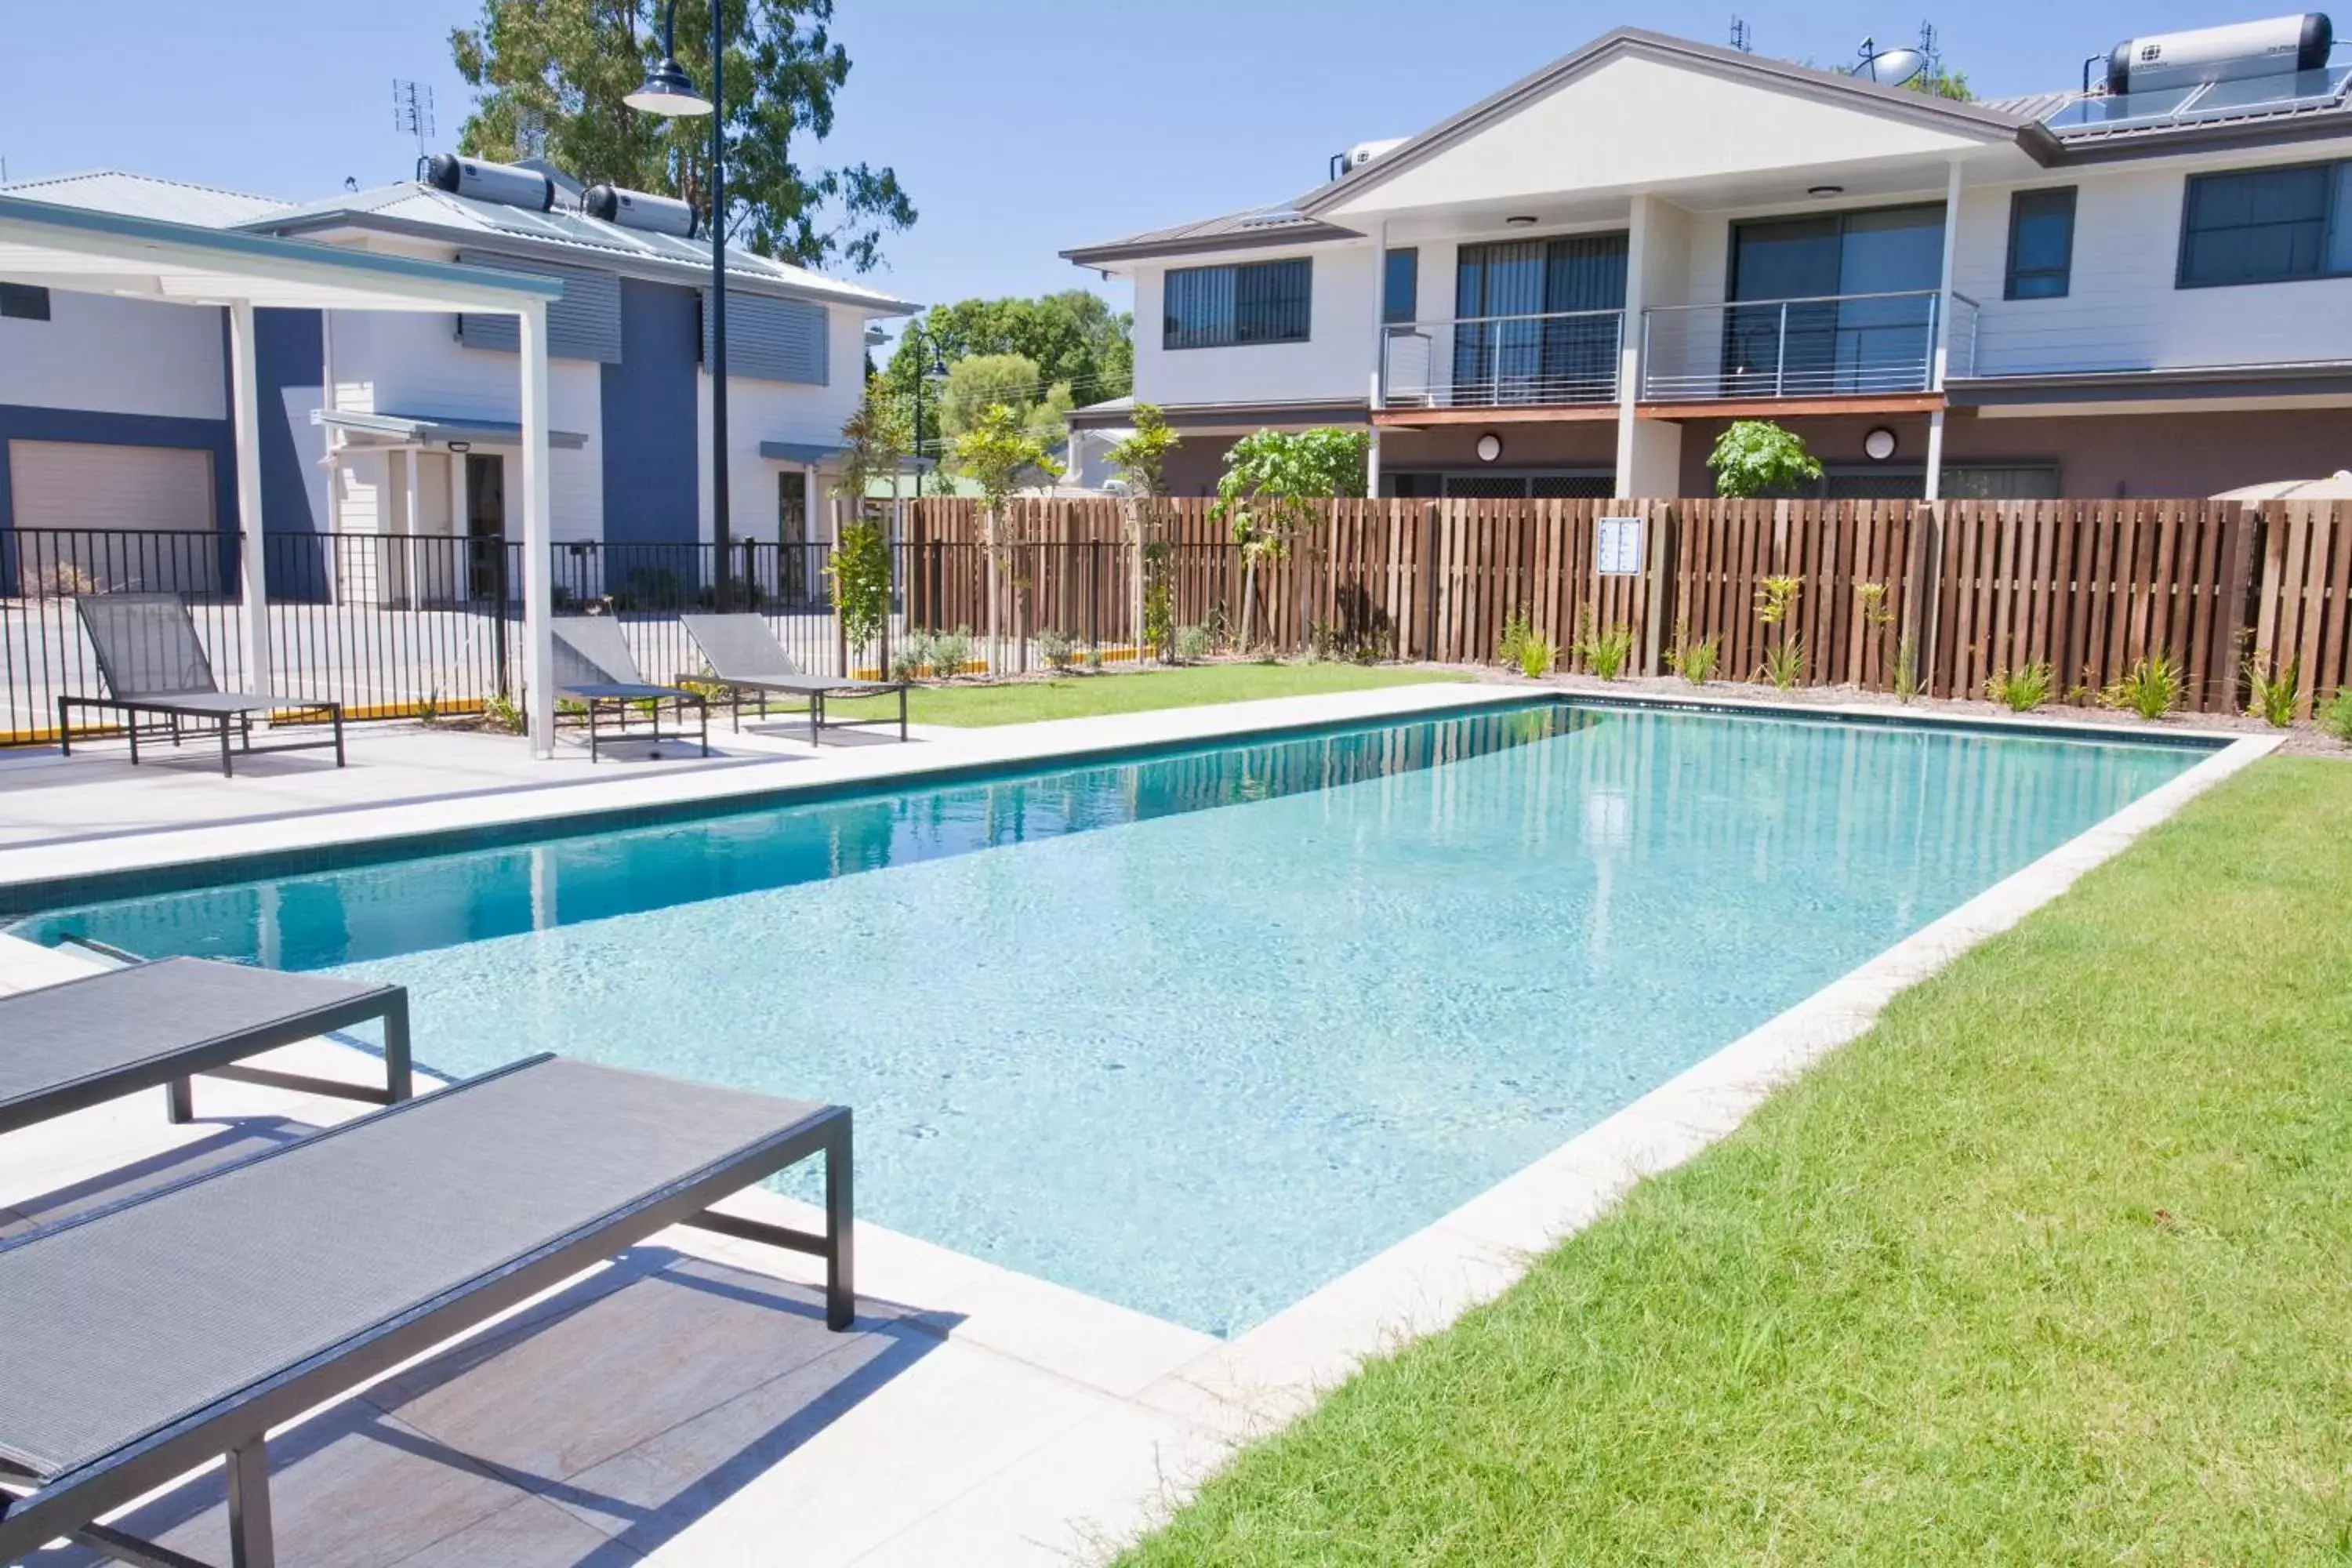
{"x": 995, "y": 648}
{"x": 1249, "y": 596}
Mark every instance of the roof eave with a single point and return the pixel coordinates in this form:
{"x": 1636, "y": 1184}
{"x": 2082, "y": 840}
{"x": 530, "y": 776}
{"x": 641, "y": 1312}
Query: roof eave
{"x": 2164, "y": 141}
{"x": 1247, "y": 239}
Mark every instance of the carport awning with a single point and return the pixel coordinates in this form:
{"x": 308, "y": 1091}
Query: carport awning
{"x": 435, "y": 429}
{"x": 810, "y": 452}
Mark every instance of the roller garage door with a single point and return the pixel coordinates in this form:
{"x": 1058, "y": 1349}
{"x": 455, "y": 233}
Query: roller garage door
{"x": 120, "y": 518}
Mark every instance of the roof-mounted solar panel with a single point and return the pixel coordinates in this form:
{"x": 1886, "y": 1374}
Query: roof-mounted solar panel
{"x": 2230, "y": 98}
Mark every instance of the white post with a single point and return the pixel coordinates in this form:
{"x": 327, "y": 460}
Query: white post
{"x": 538, "y": 561}
{"x": 253, "y": 567}
{"x": 1629, "y": 341}
{"x": 1372, "y": 464}
{"x": 1943, "y": 325}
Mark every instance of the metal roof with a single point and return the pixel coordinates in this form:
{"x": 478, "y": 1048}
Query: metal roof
{"x": 424, "y": 211}
{"x": 110, "y": 252}
{"x": 1235, "y": 231}
{"x": 145, "y": 195}
{"x": 810, "y": 452}
{"x": 427, "y": 429}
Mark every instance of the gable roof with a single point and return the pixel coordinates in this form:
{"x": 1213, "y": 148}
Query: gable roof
{"x": 424, "y": 211}
{"x": 1979, "y": 121}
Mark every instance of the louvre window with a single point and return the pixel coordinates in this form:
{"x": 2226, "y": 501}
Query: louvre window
{"x": 1224, "y": 307}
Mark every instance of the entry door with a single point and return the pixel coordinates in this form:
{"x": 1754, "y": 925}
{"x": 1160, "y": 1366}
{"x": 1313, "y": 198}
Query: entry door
{"x": 485, "y": 522}
{"x": 794, "y": 570}
{"x": 1816, "y": 344}
{"x": 1506, "y": 350}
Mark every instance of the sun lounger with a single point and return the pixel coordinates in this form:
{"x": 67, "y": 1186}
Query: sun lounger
{"x": 153, "y": 663}
{"x": 147, "y": 1339}
{"x": 595, "y": 668}
{"x": 743, "y": 656}
{"x": 66, "y": 1046}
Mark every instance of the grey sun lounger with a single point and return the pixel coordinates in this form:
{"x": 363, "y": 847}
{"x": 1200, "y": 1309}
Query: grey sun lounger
{"x": 595, "y": 668}
{"x": 147, "y": 1339}
{"x": 743, "y": 656}
{"x": 153, "y": 663}
{"x": 66, "y": 1046}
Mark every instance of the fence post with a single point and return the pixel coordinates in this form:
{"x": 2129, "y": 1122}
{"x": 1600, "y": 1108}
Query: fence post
{"x": 1428, "y": 581}
{"x": 499, "y": 548}
{"x": 2236, "y": 615}
{"x": 1922, "y": 592}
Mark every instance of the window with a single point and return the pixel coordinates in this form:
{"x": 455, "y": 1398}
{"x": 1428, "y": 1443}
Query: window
{"x": 2040, "y": 244}
{"x": 23, "y": 303}
{"x": 1400, "y": 286}
{"x": 2267, "y": 226}
{"x": 1220, "y": 306}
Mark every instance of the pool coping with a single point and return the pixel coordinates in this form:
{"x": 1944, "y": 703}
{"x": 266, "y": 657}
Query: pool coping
{"x": 58, "y": 873}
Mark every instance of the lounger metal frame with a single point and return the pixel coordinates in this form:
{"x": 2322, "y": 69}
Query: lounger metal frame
{"x": 238, "y": 1424}
{"x": 221, "y": 1057}
{"x": 818, "y": 723}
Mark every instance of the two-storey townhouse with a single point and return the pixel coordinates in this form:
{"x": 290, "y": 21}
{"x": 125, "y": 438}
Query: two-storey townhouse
{"x": 113, "y": 413}
{"x": 2141, "y": 288}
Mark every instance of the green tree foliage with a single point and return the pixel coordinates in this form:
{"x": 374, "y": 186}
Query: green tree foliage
{"x": 999, "y": 453}
{"x": 1072, "y": 337}
{"x": 570, "y": 62}
{"x": 1142, "y": 459}
{"x": 1271, "y": 480}
{"x": 1943, "y": 82}
{"x": 1757, "y": 458}
{"x": 873, "y": 441}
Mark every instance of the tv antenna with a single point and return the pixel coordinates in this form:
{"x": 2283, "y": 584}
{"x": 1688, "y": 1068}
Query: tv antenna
{"x": 1741, "y": 39}
{"x": 1889, "y": 67}
{"x": 412, "y": 111}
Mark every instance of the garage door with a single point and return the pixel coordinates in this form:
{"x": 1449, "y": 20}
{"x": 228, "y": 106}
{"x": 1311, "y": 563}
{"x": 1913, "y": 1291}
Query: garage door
{"x": 120, "y": 519}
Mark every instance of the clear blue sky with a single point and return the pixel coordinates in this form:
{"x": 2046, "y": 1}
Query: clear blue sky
{"x": 1020, "y": 128}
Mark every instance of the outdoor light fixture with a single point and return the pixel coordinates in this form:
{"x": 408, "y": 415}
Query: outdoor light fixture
{"x": 461, "y": 445}
{"x": 1521, "y": 220}
{"x": 1879, "y": 444}
{"x": 1825, "y": 191}
{"x": 668, "y": 91}
{"x": 1490, "y": 447}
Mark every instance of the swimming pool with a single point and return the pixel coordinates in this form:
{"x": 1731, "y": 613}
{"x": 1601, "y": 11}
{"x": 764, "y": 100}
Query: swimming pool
{"x": 1197, "y": 1033}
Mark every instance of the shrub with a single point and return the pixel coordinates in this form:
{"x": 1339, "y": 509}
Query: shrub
{"x": 1537, "y": 656}
{"x": 1694, "y": 661}
{"x": 1059, "y": 650}
{"x": 1775, "y": 598}
{"x": 1158, "y": 610}
{"x": 950, "y": 652}
{"x": 1757, "y": 458}
{"x": 2022, "y": 690}
{"x": 500, "y": 713}
{"x": 1907, "y": 684}
{"x": 1518, "y": 630}
{"x": 1784, "y": 663}
{"x": 2272, "y": 695}
{"x": 2151, "y": 689}
{"x": 1605, "y": 654}
{"x": 2336, "y": 717}
{"x": 908, "y": 658}
{"x": 1194, "y": 643}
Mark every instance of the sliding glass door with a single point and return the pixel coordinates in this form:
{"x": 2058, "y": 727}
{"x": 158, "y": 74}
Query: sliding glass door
{"x": 1810, "y": 313}
{"x": 1517, "y": 339}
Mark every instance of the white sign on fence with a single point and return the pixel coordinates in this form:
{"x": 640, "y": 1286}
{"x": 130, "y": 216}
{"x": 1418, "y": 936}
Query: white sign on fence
{"x": 1617, "y": 546}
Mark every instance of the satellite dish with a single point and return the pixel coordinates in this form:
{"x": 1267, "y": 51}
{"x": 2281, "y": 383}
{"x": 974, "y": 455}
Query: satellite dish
{"x": 1889, "y": 67}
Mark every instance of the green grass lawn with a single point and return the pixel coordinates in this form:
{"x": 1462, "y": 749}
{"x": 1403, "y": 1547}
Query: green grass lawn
{"x": 1085, "y": 696}
{"x": 2054, "y": 1266}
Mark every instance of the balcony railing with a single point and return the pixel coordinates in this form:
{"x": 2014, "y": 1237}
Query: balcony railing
{"x": 1835, "y": 345}
{"x": 1487, "y": 362}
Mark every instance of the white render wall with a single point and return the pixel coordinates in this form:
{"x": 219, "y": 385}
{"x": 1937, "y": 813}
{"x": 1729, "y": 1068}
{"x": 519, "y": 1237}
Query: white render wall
{"x": 1335, "y": 363}
{"x": 103, "y": 354}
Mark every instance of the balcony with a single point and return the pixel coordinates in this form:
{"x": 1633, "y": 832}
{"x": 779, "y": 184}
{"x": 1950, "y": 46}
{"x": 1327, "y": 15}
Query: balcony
{"x": 1561, "y": 359}
{"x": 1836, "y": 345}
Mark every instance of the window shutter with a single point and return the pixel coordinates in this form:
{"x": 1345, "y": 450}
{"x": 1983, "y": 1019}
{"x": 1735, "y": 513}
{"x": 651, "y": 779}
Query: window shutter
{"x": 583, "y": 323}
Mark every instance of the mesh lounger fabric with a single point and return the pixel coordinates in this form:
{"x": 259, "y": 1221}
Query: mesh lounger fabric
{"x": 741, "y": 652}
{"x": 110, "y": 1023}
{"x": 592, "y": 660}
{"x": 146, "y": 644}
{"x": 124, "y": 1322}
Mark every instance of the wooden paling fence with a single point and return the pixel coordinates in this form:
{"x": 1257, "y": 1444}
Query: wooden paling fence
{"x": 1963, "y": 590}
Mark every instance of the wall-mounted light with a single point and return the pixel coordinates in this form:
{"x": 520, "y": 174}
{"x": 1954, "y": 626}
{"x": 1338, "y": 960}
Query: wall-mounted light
{"x": 1521, "y": 220}
{"x": 1824, "y": 191}
{"x": 1878, "y": 445}
{"x": 461, "y": 445}
{"x": 1490, "y": 447}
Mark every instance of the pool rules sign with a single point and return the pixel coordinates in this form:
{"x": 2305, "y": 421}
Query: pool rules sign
{"x": 1617, "y": 546}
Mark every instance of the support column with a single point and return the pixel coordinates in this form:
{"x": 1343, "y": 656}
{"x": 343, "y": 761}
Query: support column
{"x": 253, "y": 565}
{"x": 1943, "y": 345}
{"x": 1372, "y": 464}
{"x": 1629, "y": 341}
{"x": 538, "y": 561}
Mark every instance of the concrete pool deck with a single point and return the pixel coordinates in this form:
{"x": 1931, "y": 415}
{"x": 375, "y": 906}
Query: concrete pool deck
{"x": 976, "y": 1416}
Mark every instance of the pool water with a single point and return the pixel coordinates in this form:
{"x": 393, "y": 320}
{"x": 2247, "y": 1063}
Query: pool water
{"x": 1198, "y": 1033}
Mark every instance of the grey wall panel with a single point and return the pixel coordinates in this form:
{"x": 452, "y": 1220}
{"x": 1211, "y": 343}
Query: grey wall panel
{"x": 584, "y": 323}
{"x": 772, "y": 340}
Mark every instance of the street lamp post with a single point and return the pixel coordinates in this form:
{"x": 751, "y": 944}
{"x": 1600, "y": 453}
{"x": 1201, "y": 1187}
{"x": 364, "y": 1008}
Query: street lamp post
{"x": 935, "y": 371}
{"x": 668, "y": 91}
